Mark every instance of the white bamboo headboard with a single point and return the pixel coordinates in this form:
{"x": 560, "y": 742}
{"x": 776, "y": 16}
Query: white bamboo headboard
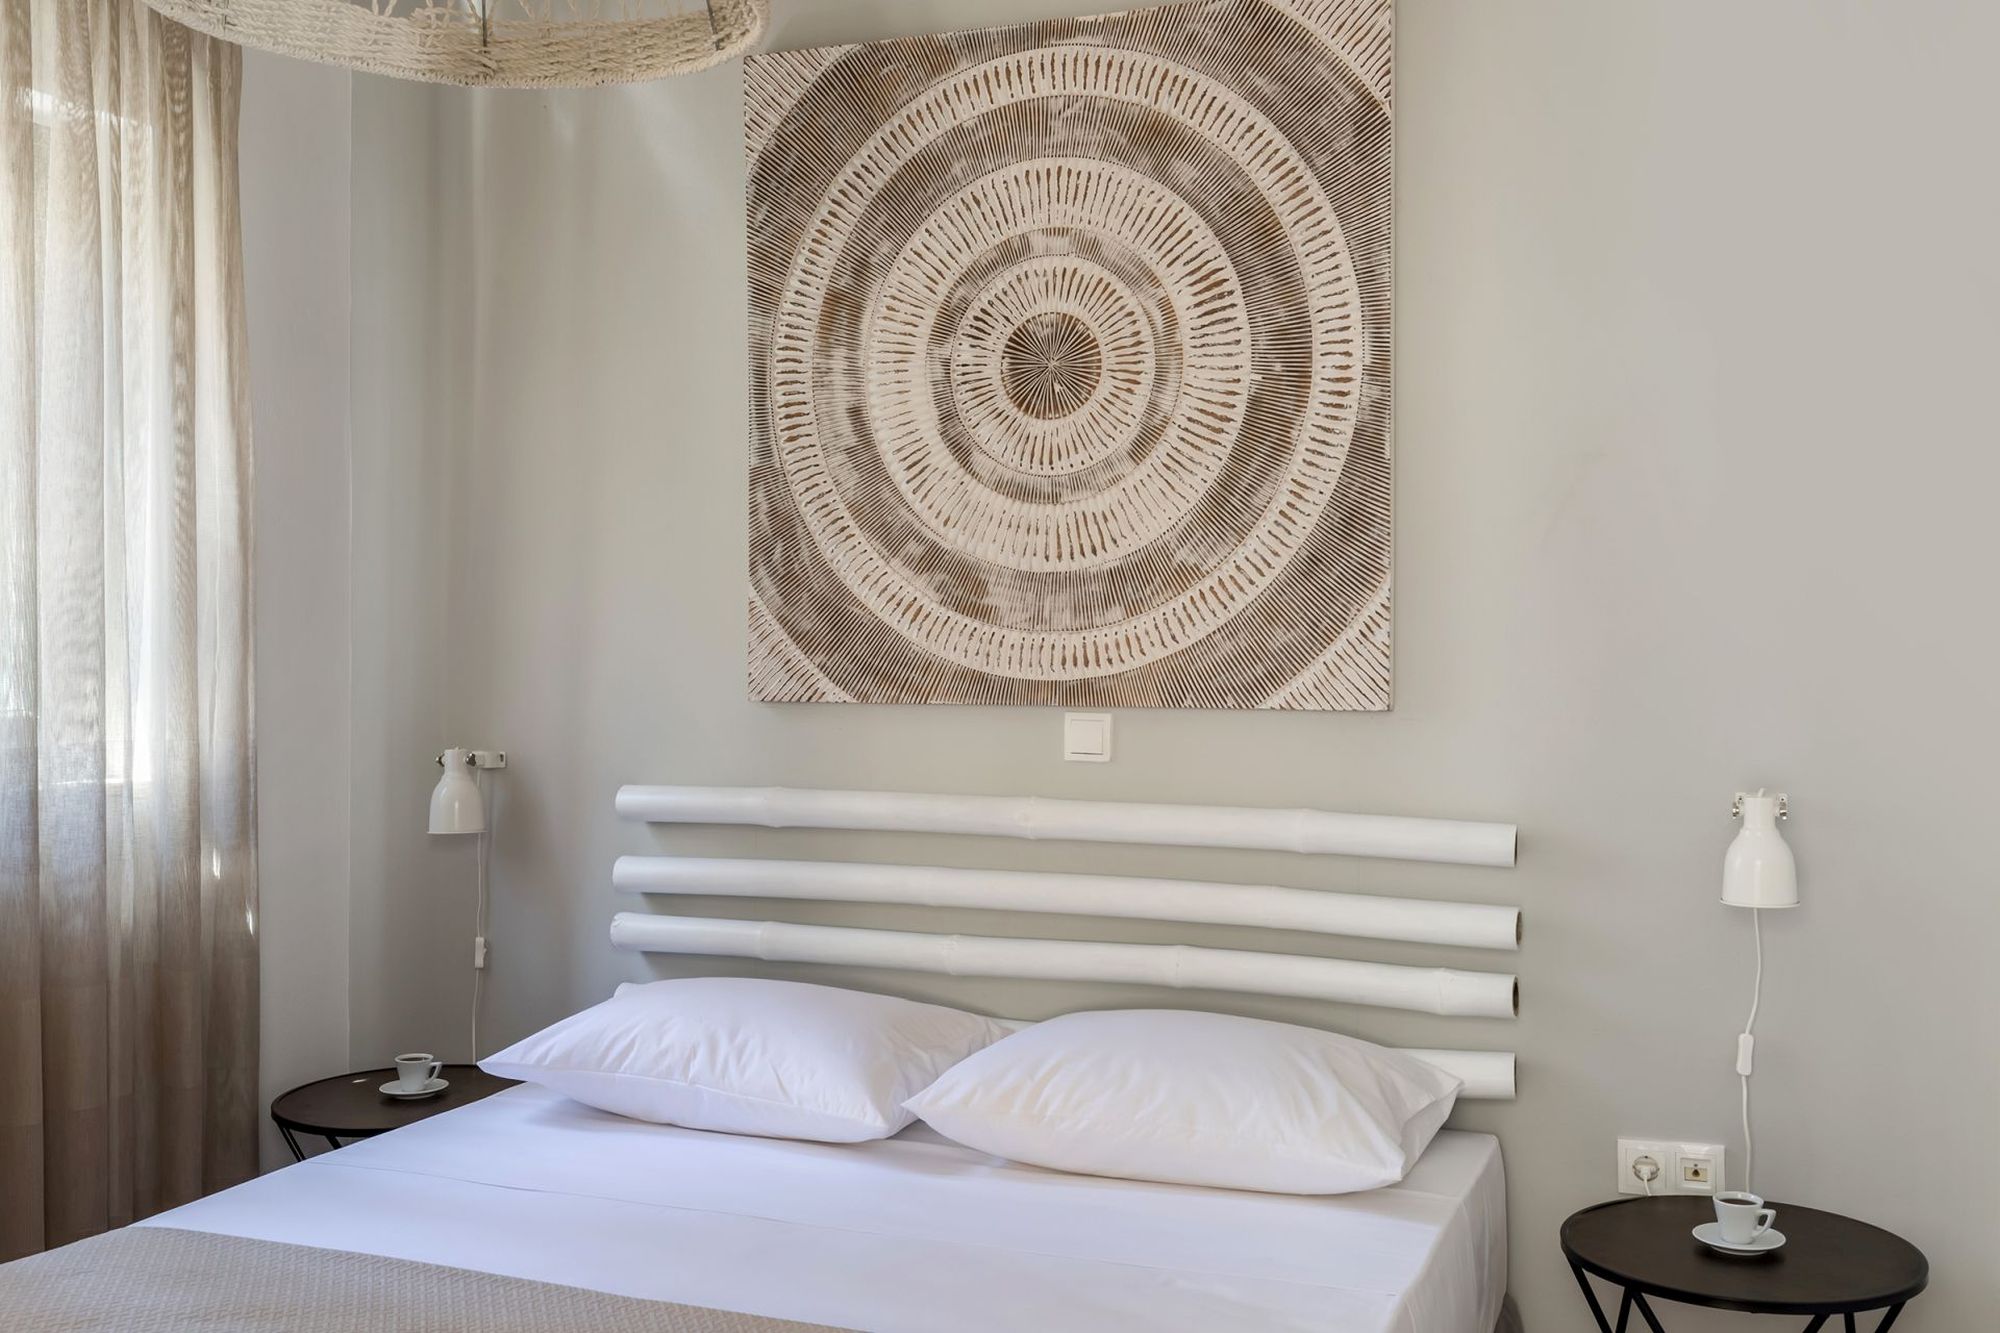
{"x": 1432, "y": 990}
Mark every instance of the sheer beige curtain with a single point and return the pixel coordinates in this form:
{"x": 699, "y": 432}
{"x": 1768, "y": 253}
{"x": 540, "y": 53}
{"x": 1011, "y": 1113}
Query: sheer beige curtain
{"x": 128, "y": 959}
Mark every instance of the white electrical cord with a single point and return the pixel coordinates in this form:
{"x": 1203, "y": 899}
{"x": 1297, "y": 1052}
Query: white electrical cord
{"x": 1749, "y": 1027}
{"x": 479, "y": 914}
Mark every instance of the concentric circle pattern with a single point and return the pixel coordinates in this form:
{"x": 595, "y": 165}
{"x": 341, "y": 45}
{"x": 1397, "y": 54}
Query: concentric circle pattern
{"x": 1069, "y": 359}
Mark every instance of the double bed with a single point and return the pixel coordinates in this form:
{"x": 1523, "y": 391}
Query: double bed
{"x": 905, "y": 1234}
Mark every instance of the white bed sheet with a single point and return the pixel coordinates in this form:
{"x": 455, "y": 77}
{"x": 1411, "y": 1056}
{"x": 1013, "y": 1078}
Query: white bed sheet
{"x": 910, "y": 1234}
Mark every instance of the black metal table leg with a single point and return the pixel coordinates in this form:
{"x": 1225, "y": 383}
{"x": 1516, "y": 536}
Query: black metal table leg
{"x": 1590, "y": 1299}
{"x": 292, "y": 1140}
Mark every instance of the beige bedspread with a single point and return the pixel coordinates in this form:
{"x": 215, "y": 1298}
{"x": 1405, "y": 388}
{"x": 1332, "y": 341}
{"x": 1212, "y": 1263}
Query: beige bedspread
{"x": 143, "y": 1279}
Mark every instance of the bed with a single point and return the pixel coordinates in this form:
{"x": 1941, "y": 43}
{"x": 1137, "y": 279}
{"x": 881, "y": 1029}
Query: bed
{"x": 906, "y": 1234}
{"x": 527, "y": 1211}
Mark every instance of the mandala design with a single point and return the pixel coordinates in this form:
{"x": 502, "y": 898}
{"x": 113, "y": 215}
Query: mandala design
{"x": 1070, "y": 362}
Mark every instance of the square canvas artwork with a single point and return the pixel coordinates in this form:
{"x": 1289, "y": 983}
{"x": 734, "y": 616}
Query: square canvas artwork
{"x": 1070, "y": 362}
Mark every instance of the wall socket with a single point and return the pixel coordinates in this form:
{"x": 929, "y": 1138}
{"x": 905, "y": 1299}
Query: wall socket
{"x": 1675, "y": 1167}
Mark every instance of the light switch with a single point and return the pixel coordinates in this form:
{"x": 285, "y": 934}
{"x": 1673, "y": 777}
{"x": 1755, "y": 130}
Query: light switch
{"x": 1087, "y": 738}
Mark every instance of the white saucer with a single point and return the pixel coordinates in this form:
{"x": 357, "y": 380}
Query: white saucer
{"x": 430, "y": 1089}
{"x": 1710, "y": 1234}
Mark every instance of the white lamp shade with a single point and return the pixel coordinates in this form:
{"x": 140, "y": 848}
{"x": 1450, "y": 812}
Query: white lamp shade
{"x": 1758, "y": 870}
{"x": 455, "y": 803}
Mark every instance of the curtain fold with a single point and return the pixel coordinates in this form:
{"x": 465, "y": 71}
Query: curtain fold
{"x": 128, "y": 959}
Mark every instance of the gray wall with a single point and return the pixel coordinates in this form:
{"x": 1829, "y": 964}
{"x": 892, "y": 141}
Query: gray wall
{"x": 1694, "y": 468}
{"x": 295, "y": 153}
{"x": 413, "y": 895}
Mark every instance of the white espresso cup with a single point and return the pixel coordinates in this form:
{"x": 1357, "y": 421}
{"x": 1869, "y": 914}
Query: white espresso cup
{"x": 415, "y": 1070}
{"x": 1742, "y": 1217}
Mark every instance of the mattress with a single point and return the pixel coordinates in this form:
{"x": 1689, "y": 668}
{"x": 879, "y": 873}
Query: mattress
{"x": 909, "y": 1233}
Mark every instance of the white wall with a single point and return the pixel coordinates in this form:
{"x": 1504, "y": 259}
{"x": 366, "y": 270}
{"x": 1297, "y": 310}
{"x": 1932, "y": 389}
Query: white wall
{"x": 1694, "y": 473}
{"x": 413, "y": 894}
{"x": 296, "y": 232}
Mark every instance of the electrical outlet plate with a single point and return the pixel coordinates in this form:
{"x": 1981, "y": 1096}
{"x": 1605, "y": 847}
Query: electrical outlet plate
{"x": 1685, "y": 1167}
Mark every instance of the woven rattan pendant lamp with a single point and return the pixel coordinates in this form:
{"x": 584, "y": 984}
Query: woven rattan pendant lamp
{"x": 489, "y": 43}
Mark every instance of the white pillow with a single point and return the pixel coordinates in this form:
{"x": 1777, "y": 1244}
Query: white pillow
{"x": 750, "y": 1056}
{"x": 1196, "y": 1099}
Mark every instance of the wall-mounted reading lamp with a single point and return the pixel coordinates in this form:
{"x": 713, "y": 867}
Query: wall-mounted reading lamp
{"x": 1758, "y": 872}
{"x": 458, "y": 806}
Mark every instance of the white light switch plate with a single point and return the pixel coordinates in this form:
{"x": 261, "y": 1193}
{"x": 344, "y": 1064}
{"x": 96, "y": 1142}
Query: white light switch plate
{"x": 1685, "y": 1168}
{"x": 1087, "y": 738}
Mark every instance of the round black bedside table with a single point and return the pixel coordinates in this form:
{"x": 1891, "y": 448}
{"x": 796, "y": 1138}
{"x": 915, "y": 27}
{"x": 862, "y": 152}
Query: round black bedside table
{"x": 1829, "y": 1265}
{"x": 351, "y": 1106}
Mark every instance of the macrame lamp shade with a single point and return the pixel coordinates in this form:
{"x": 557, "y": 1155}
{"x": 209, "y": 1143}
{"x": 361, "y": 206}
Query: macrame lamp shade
{"x": 489, "y": 43}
